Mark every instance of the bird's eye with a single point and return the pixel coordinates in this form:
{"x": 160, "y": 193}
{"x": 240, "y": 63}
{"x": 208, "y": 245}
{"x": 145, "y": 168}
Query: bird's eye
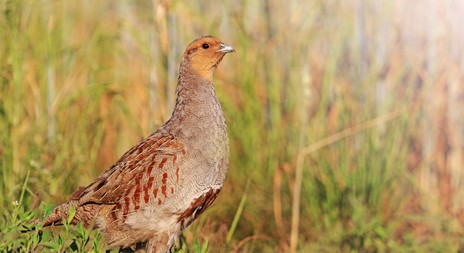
{"x": 205, "y": 46}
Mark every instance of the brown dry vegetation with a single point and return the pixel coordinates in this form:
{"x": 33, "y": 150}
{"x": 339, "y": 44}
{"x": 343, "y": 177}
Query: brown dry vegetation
{"x": 346, "y": 117}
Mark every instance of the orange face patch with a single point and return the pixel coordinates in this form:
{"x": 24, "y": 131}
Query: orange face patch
{"x": 203, "y": 55}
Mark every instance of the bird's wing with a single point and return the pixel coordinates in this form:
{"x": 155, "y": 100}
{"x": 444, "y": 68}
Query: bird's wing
{"x": 144, "y": 167}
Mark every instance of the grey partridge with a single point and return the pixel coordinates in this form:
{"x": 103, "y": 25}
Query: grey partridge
{"x": 162, "y": 184}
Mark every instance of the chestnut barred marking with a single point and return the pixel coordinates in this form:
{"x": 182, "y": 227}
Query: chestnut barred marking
{"x": 146, "y": 197}
{"x": 163, "y": 191}
{"x": 125, "y": 210}
{"x": 146, "y": 188}
{"x": 165, "y": 178}
{"x": 155, "y": 193}
{"x": 150, "y": 168}
{"x": 174, "y": 158}
{"x": 197, "y": 206}
{"x": 161, "y": 165}
{"x": 113, "y": 215}
{"x": 136, "y": 197}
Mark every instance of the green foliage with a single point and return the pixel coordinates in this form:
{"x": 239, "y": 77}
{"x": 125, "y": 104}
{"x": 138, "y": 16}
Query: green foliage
{"x": 81, "y": 83}
{"x": 20, "y": 232}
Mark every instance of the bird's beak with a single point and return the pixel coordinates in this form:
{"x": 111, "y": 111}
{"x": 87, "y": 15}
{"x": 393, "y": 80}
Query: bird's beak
{"x": 225, "y": 48}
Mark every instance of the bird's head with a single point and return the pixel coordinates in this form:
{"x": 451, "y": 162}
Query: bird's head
{"x": 204, "y": 54}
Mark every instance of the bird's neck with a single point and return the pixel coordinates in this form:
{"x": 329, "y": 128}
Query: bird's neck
{"x": 196, "y": 104}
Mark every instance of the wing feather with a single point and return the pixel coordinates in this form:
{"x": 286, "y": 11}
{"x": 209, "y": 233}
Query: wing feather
{"x": 111, "y": 185}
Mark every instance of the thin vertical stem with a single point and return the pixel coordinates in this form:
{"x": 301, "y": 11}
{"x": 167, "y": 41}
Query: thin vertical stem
{"x": 172, "y": 56}
{"x": 51, "y": 126}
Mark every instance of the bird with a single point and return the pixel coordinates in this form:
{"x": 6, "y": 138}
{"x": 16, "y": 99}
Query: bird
{"x": 162, "y": 184}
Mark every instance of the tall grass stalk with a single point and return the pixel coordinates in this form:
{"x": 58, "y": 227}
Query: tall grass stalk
{"x": 314, "y": 167}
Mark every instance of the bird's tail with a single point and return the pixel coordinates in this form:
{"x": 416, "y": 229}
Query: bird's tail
{"x": 73, "y": 213}
{"x": 55, "y": 218}
{"x": 61, "y": 213}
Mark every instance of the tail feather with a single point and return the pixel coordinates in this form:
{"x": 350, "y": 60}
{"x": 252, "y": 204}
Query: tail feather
{"x": 84, "y": 213}
{"x": 56, "y": 217}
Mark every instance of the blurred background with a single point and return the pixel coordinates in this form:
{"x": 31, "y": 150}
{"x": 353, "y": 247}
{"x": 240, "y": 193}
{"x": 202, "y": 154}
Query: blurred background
{"x": 346, "y": 118}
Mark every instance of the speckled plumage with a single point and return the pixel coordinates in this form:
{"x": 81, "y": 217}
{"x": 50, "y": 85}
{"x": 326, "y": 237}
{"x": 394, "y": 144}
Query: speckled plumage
{"x": 162, "y": 184}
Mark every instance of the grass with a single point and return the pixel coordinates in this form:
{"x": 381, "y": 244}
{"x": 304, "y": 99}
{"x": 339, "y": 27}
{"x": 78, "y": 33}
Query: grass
{"x": 342, "y": 116}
